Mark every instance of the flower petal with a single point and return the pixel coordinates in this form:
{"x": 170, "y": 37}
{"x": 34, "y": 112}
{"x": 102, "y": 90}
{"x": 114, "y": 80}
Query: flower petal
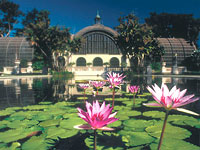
{"x": 83, "y": 126}
{"x": 187, "y": 111}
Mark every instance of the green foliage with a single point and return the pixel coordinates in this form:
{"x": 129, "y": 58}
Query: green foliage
{"x": 193, "y": 62}
{"x": 9, "y": 16}
{"x": 23, "y": 63}
{"x": 167, "y": 25}
{"x": 156, "y": 66}
{"x": 38, "y": 65}
{"x": 136, "y": 40}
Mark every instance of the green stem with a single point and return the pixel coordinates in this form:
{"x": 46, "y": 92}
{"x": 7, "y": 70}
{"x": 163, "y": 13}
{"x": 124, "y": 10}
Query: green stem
{"x": 133, "y": 99}
{"x": 84, "y": 95}
{"x": 95, "y": 139}
{"x": 163, "y": 130}
{"x": 97, "y": 92}
{"x": 113, "y": 97}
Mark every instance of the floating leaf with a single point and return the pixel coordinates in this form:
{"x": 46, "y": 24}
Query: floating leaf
{"x": 36, "y": 107}
{"x": 54, "y": 133}
{"x": 48, "y": 123}
{"x": 71, "y": 122}
{"x": 137, "y": 138}
{"x": 137, "y": 125}
{"x": 24, "y": 123}
{"x": 12, "y": 118}
{"x": 6, "y": 112}
{"x": 171, "y": 143}
{"x": 37, "y": 142}
{"x": 43, "y": 116}
{"x": 154, "y": 114}
{"x": 170, "y": 131}
{"x": 14, "y": 145}
{"x": 82, "y": 98}
{"x": 184, "y": 120}
{"x": 45, "y": 103}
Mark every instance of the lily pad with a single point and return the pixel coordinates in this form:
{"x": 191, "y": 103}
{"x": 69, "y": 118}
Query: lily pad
{"x": 170, "y": 131}
{"x": 24, "y": 123}
{"x": 37, "y": 142}
{"x": 171, "y": 143}
{"x": 184, "y": 120}
{"x": 6, "y": 112}
{"x": 154, "y": 114}
{"x": 137, "y": 125}
{"x": 48, "y": 123}
{"x": 137, "y": 138}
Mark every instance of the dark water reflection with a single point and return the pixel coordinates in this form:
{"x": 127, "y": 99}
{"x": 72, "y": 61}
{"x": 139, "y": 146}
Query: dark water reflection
{"x": 30, "y": 91}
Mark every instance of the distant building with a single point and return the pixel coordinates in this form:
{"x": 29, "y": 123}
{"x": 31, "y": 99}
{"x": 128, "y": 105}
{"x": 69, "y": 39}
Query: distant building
{"x": 13, "y": 50}
{"x": 97, "y": 51}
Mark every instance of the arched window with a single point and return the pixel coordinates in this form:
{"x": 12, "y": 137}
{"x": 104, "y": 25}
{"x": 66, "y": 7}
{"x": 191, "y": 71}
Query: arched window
{"x": 114, "y": 62}
{"x": 81, "y": 61}
{"x": 97, "y": 62}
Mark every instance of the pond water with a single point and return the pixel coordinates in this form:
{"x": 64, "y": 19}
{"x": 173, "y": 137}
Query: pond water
{"x": 43, "y": 110}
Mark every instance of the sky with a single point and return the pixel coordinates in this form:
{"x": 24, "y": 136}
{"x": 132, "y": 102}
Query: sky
{"x": 77, "y": 14}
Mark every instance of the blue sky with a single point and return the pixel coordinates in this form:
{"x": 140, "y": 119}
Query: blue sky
{"x": 77, "y": 14}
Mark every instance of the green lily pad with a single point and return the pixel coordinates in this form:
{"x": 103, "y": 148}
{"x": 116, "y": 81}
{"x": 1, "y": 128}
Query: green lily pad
{"x": 82, "y": 98}
{"x": 45, "y": 103}
{"x": 6, "y": 112}
{"x": 184, "y": 120}
{"x": 35, "y": 107}
{"x": 171, "y": 143}
{"x": 15, "y": 118}
{"x": 128, "y": 113}
{"x": 37, "y": 142}
{"x": 115, "y": 124}
{"x": 137, "y": 138}
{"x": 71, "y": 122}
{"x": 48, "y": 123}
{"x": 54, "y": 133}
{"x": 170, "y": 131}
{"x": 154, "y": 114}
{"x": 16, "y": 134}
{"x": 43, "y": 116}
{"x": 24, "y": 123}
{"x": 137, "y": 125}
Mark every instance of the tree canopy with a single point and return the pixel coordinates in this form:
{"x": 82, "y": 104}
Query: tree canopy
{"x": 136, "y": 40}
{"x": 50, "y": 42}
{"x": 167, "y": 25}
{"x": 9, "y": 17}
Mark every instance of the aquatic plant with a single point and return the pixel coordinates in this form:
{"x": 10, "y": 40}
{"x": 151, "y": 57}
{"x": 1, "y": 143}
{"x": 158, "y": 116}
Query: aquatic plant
{"x": 84, "y": 87}
{"x": 97, "y": 117}
{"x": 97, "y": 85}
{"x": 170, "y": 100}
{"x": 115, "y": 79}
{"x": 133, "y": 89}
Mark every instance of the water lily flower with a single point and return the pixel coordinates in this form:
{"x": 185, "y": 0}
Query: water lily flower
{"x": 97, "y": 117}
{"x": 133, "y": 89}
{"x": 115, "y": 79}
{"x": 97, "y": 84}
{"x": 84, "y": 87}
{"x": 170, "y": 99}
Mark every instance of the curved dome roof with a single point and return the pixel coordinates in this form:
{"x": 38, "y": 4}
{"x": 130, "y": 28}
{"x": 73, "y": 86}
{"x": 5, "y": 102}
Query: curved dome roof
{"x": 96, "y": 27}
{"x": 176, "y": 47}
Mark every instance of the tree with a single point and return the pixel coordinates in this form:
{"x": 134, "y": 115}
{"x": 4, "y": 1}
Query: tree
{"x": 49, "y": 42}
{"x": 9, "y": 17}
{"x": 136, "y": 40}
{"x": 166, "y": 25}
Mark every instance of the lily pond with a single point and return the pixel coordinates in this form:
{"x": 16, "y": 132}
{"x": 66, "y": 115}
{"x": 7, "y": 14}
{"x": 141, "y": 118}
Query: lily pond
{"x": 40, "y": 113}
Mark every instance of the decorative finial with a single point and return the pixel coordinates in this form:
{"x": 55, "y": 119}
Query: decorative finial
{"x": 97, "y": 18}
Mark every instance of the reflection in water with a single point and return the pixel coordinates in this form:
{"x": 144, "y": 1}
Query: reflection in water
{"x": 28, "y": 91}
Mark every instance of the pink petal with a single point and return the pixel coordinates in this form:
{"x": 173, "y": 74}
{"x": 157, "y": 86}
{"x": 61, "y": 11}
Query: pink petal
{"x": 82, "y": 126}
{"x": 187, "y": 111}
{"x": 106, "y": 129}
{"x": 152, "y": 104}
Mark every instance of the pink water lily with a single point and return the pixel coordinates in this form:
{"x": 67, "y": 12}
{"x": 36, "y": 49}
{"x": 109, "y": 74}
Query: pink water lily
{"x": 84, "y": 85}
{"x": 115, "y": 79}
{"x": 97, "y": 85}
{"x": 133, "y": 89}
{"x": 171, "y": 99}
{"x": 97, "y": 117}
